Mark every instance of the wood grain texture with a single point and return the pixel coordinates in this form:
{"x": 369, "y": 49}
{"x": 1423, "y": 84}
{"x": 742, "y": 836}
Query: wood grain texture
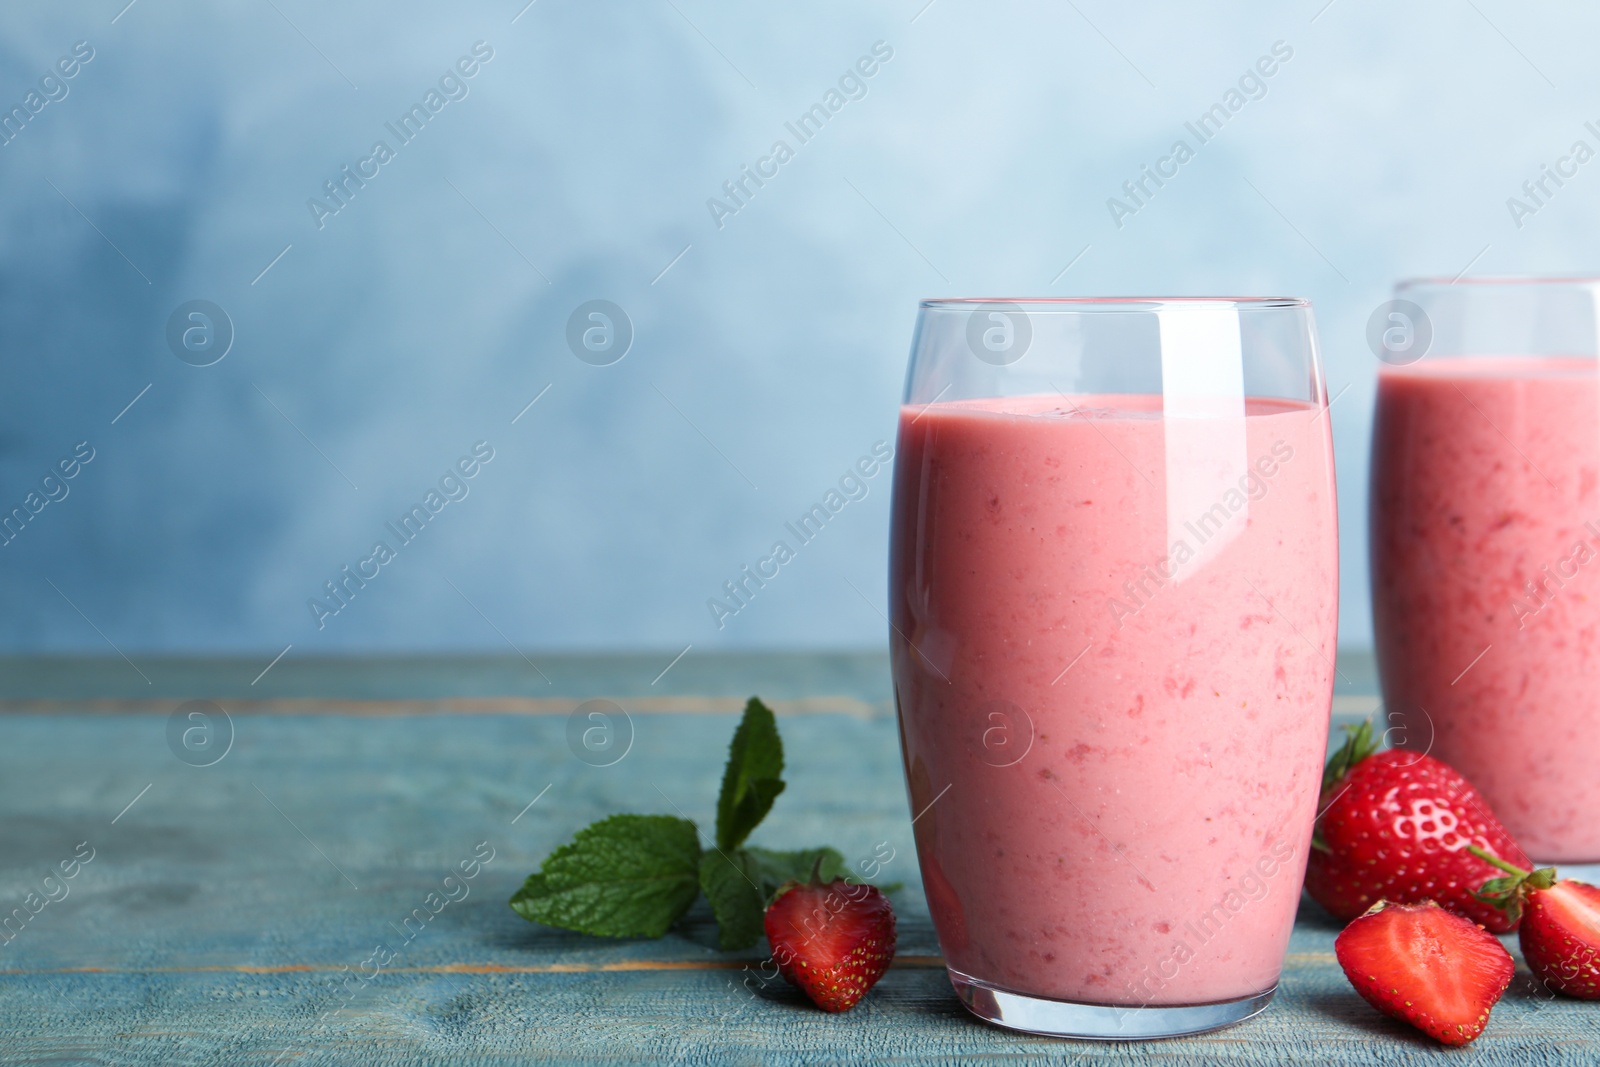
{"x": 228, "y": 913}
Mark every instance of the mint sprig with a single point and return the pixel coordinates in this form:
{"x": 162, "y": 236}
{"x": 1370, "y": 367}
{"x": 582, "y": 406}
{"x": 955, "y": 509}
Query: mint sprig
{"x": 636, "y": 875}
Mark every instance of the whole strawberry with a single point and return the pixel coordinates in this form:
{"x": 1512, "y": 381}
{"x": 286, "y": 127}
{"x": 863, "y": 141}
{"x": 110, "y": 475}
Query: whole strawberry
{"x": 1560, "y": 931}
{"x": 1422, "y": 965}
{"x": 1396, "y": 826}
{"x": 832, "y": 940}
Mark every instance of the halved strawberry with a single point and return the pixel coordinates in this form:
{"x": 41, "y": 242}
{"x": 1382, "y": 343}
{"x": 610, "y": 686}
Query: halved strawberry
{"x": 1396, "y": 826}
{"x": 1560, "y": 932}
{"x": 834, "y": 941}
{"x": 1427, "y": 967}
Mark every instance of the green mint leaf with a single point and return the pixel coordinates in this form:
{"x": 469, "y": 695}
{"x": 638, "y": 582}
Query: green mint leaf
{"x": 773, "y": 869}
{"x": 753, "y": 779}
{"x": 731, "y": 883}
{"x": 626, "y": 876}
{"x": 776, "y": 868}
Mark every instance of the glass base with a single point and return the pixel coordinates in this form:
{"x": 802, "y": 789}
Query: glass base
{"x": 1101, "y": 1022}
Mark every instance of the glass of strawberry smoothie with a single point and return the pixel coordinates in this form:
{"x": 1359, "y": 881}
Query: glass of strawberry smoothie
{"x": 1485, "y": 541}
{"x": 1113, "y": 587}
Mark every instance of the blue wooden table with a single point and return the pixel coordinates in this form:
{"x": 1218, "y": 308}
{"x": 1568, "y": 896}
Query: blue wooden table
{"x": 284, "y": 898}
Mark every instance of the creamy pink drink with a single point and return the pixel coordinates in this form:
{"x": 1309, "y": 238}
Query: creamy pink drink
{"x": 1486, "y": 582}
{"x": 1113, "y": 643}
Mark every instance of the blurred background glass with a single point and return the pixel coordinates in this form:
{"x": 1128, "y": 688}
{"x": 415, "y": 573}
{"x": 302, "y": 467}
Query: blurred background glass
{"x": 374, "y": 345}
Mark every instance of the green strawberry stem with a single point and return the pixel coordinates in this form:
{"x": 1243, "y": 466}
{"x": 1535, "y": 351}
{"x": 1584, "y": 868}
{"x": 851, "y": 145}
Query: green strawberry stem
{"x": 1490, "y": 857}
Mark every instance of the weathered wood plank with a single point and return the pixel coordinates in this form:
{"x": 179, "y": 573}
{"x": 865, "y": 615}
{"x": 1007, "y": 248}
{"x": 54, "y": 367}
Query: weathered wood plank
{"x": 227, "y": 913}
{"x": 780, "y": 676}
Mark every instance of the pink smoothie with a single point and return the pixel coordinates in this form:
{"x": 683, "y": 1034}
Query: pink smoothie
{"x": 1113, "y": 711}
{"x": 1486, "y": 582}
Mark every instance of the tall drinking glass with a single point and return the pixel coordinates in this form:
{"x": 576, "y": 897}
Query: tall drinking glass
{"x": 1113, "y": 577}
{"x": 1485, "y": 523}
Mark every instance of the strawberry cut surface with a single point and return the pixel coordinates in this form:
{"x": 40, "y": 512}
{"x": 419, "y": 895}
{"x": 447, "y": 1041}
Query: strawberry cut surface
{"x": 834, "y": 941}
{"x": 1560, "y": 938}
{"x": 1560, "y": 931}
{"x": 1425, "y": 966}
{"x": 1396, "y": 826}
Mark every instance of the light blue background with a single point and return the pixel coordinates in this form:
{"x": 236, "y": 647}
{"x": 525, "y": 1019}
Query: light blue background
{"x": 770, "y": 355}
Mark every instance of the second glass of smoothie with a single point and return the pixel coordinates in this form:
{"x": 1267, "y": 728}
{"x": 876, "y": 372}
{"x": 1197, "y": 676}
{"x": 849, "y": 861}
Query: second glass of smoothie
{"x": 1113, "y": 588}
{"x": 1485, "y": 522}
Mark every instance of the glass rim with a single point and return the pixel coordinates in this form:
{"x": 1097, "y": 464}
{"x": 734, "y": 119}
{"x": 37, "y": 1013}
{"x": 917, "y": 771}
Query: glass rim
{"x": 1441, "y": 282}
{"x": 1112, "y": 304}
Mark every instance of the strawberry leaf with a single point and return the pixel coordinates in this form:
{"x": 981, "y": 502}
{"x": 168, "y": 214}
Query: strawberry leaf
{"x": 752, "y": 779}
{"x": 1358, "y": 745}
{"x": 1508, "y": 893}
{"x": 1498, "y": 888}
{"x": 626, "y": 876}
